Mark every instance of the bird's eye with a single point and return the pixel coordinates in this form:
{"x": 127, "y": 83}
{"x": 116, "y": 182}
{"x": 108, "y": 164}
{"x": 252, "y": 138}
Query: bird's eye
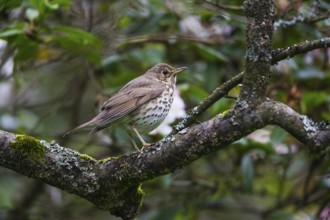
{"x": 165, "y": 72}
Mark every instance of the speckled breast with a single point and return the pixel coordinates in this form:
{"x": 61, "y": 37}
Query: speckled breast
{"x": 153, "y": 113}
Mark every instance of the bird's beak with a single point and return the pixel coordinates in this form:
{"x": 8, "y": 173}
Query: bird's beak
{"x": 177, "y": 70}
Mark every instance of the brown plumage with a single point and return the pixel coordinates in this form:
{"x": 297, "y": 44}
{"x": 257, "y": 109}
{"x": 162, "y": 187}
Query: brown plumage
{"x": 142, "y": 104}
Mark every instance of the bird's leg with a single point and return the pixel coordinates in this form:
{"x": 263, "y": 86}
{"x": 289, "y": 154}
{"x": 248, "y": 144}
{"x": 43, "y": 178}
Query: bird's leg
{"x": 144, "y": 144}
{"x": 133, "y": 141}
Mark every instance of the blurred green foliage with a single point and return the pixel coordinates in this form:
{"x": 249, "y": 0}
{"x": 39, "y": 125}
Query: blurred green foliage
{"x": 60, "y": 59}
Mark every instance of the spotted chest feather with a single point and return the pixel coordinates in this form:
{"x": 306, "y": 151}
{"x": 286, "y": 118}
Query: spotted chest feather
{"x": 151, "y": 114}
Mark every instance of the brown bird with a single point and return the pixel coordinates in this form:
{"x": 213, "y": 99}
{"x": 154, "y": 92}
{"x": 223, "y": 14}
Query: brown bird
{"x": 140, "y": 106}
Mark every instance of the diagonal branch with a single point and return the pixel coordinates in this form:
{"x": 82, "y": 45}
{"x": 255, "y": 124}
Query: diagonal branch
{"x": 285, "y": 53}
{"x": 221, "y": 91}
{"x": 114, "y": 183}
{"x": 217, "y": 94}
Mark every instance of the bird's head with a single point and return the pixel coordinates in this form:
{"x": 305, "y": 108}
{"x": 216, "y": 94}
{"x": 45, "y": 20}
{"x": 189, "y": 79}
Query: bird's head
{"x": 165, "y": 72}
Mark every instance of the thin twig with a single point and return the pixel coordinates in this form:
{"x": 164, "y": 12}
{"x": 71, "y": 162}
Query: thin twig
{"x": 284, "y": 53}
{"x": 218, "y": 93}
{"x": 169, "y": 38}
{"x": 222, "y": 10}
{"x": 309, "y": 177}
{"x": 283, "y": 176}
{"x": 301, "y": 19}
{"x": 220, "y": 6}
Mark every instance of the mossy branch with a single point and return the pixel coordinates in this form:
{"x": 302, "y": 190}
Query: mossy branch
{"x": 114, "y": 184}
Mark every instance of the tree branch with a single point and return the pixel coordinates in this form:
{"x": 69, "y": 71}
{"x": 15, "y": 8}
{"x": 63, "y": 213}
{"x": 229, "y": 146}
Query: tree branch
{"x": 284, "y": 53}
{"x": 217, "y": 94}
{"x": 221, "y": 91}
{"x": 311, "y": 19}
{"x": 168, "y": 38}
{"x": 315, "y": 135}
{"x": 114, "y": 183}
{"x": 259, "y": 33}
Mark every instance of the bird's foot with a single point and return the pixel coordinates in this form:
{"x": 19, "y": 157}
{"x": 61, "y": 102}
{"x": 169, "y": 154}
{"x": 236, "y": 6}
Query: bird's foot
{"x": 145, "y": 144}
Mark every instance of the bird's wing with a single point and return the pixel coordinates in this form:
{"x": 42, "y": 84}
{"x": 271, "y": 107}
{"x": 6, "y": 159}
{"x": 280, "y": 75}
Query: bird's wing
{"x": 129, "y": 98}
{"x": 127, "y": 101}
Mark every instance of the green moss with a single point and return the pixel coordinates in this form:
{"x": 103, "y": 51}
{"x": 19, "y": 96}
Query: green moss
{"x": 223, "y": 114}
{"x": 29, "y": 146}
{"x": 103, "y": 161}
{"x": 140, "y": 194}
{"x": 86, "y": 157}
{"x": 136, "y": 196}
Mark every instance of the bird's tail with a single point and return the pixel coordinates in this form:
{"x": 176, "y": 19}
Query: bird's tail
{"x": 86, "y": 125}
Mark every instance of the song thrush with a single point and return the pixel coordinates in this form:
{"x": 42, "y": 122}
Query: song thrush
{"x": 141, "y": 105}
